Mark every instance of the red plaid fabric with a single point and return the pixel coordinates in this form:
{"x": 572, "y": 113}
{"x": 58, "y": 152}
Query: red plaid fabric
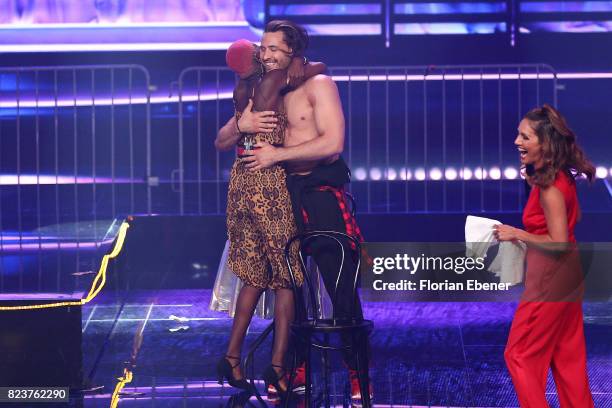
{"x": 352, "y": 229}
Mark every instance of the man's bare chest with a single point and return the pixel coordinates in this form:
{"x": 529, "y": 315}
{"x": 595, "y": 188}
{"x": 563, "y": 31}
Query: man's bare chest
{"x": 300, "y": 113}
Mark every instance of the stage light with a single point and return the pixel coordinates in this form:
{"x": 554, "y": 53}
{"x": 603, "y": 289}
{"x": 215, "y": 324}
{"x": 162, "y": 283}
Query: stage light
{"x": 450, "y": 173}
{"x": 466, "y": 173}
{"x": 601, "y": 172}
{"x": 360, "y": 174}
{"x": 470, "y": 77}
{"x": 419, "y": 174}
{"x": 391, "y": 174}
{"x": 480, "y": 173}
{"x": 375, "y": 173}
{"x": 435, "y": 173}
{"x": 495, "y": 173}
{"x": 50, "y": 179}
{"x": 120, "y": 100}
{"x": 510, "y": 173}
{"x": 405, "y": 174}
{"x": 402, "y": 173}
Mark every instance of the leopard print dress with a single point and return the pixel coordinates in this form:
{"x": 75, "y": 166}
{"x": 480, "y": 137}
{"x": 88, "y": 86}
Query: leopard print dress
{"x": 260, "y": 220}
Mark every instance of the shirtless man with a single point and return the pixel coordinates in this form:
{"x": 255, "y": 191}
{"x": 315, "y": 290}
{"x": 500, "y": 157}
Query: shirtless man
{"x": 315, "y": 133}
{"x": 313, "y": 143}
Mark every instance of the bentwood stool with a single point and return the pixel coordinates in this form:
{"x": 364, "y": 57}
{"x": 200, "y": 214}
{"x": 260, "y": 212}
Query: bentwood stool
{"x": 312, "y": 328}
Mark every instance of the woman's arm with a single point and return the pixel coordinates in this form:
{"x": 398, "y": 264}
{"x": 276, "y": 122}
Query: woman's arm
{"x": 274, "y": 84}
{"x": 298, "y": 73}
{"x": 553, "y": 204}
{"x": 313, "y": 69}
{"x": 267, "y": 92}
{"x": 241, "y": 95}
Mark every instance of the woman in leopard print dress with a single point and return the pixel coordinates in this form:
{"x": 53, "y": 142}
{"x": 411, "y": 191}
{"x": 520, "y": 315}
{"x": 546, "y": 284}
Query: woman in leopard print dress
{"x": 259, "y": 217}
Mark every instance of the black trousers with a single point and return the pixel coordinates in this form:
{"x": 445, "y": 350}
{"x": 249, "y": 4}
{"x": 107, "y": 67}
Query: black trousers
{"x": 324, "y": 213}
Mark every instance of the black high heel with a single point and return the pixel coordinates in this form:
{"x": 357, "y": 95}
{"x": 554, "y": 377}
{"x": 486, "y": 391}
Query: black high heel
{"x": 224, "y": 371}
{"x": 271, "y": 377}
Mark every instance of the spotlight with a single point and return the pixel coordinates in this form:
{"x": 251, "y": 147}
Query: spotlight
{"x": 419, "y": 174}
{"x": 435, "y": 174}
{"x": 391, "y": 174}
{"x": 450, "y": 173}
{"x": 510, "y": 173}
{"x": 360, "y": 174}
{"x": 375, "y": 173}
{"x": 601, "y": 172}
{"x": 495, "y": 173}
{"x": 480, "y": 173}
{"x": 405, "y": 174}
{"x": 466, "y": 173}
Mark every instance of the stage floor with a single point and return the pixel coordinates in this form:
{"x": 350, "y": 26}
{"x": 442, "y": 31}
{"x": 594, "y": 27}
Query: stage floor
{"x": 424, "y": 354}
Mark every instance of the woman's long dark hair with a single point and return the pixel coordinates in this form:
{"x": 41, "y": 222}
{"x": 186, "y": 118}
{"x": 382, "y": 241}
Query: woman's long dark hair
{"x": 560, "y": 151}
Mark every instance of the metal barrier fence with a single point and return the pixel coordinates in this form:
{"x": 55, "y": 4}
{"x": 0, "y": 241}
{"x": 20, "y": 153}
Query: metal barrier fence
{"x": 205, "y": 104}
{"x": 74, "y": 155}
{"x": 417, "y": 138}
{"x": 81, "y": 146}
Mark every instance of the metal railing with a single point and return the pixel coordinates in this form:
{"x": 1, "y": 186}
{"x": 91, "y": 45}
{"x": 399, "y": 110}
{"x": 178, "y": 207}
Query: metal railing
{"x": 416, "y": 137}
{"x": 83, "y": 145}
{"x": 71, "y": 163}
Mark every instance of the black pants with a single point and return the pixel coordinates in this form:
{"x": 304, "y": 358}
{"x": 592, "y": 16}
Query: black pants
{"x": 324, "y": 214}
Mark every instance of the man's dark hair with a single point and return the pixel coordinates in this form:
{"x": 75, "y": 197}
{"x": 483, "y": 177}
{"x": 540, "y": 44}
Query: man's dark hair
{"x": 295, "y": 36}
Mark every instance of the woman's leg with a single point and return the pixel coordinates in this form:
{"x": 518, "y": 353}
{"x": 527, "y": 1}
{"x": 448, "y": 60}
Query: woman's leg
{"x": 245, "y": 306}
{"x": 569, "y": 361}
{"x": 283, "y": 317}
{"x": 533, "y": 338}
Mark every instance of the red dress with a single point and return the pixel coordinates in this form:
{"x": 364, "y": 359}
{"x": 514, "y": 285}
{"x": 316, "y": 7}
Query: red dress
{"x": 547, "y": 329}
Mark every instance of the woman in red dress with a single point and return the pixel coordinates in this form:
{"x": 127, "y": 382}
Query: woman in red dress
{"x": 547, "y": 329}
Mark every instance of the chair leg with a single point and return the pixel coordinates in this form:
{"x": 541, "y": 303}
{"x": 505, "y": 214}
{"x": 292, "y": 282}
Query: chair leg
{"x": 250, "y": 358}
{"x": 291, "y": 378}
{"x": 325, "y": 361}
{"x": 308, "y": 368}
{"x": 363, "y": 371}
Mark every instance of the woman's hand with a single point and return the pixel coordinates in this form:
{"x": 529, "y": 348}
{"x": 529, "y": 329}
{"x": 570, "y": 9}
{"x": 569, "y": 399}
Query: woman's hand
{"x": 255, "y": 122}
{"x": 505, "y": 232}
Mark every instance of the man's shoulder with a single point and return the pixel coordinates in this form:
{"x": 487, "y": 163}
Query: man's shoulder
{"x": 320, "y": 80}
{"x": 320, "y": 84}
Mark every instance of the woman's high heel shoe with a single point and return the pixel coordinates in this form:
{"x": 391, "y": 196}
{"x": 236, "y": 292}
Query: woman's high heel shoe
{"x": 225, "y": 371}
{"x": 271, "y": 377}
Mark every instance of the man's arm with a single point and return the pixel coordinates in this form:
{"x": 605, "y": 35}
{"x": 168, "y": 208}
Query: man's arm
{"x": 228, "y": 136}
{"x": 250, "y": 122}
{"x": 329, "y": 122}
